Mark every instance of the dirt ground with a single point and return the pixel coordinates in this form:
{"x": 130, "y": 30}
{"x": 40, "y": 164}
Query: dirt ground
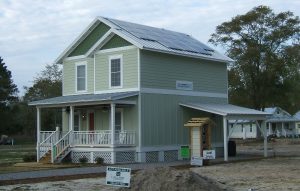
{"x": 281, "y": 172}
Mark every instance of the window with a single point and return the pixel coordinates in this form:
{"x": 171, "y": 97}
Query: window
{"x": 251, "y": 127}
{"x": 115, "y": 68}
{"x": 81, "y": 77}
{"x": 242, "y": 128}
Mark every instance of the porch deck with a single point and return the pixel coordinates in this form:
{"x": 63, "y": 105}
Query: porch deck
{"x": 57, "y": 144}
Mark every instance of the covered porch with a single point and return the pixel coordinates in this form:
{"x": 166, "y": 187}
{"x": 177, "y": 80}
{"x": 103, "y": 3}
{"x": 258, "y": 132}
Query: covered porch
{"x": 98, "y": 121}
{"x": 233, "y": 113}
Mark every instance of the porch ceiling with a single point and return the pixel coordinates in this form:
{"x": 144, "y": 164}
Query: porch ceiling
{"x": 228, "y": 110}
{"x": 86, "y": 99}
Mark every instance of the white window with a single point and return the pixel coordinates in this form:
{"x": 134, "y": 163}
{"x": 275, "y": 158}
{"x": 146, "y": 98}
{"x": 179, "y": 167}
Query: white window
{"x": 115, "y": 71}
{"x": 81, "y": 75}
{"x": 251, "y": 127}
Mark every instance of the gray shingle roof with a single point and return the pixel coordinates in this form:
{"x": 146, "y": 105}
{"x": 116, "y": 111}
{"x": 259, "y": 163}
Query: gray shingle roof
{"x": 83, "y": 98}
{"x": 165, "y": 40}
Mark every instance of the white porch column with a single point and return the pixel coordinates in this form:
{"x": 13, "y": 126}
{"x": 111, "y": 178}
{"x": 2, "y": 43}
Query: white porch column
{"x": 269, "y": 128}
{"x": 38, "y": 129}
{"x": 282, "y": 128}
{"x": 225, "y": 139}
{"x": 112, "y": 128}
{"x": 71, "y": 118}
{"x": 265, "y": 138}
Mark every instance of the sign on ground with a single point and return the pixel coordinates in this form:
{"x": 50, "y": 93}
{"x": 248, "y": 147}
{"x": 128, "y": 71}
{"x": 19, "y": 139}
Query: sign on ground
{"x": 116, "y": 176}
{"x": 209, "y": 154}
{"x": 185, "y": 152}
{"x": 196, "y": 161}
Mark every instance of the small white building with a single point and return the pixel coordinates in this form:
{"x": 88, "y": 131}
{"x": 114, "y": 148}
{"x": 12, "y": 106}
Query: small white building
{"x": 297, "y": 116}
{"x": 243, "y": 129}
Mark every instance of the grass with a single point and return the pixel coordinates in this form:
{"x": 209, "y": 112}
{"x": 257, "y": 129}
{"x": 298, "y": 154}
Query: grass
{"x": 12, "y": 154}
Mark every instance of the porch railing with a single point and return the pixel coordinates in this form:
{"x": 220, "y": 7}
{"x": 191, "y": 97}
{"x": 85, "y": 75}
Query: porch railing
{"x": 61, "y": 145}
{"x": 47, "y": 140}
{"x": 125, "y": 137}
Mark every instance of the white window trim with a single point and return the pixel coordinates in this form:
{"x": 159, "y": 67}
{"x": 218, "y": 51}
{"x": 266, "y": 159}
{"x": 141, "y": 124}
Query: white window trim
{"x": 121, "y": 70}
{"x": 76, "y": 66}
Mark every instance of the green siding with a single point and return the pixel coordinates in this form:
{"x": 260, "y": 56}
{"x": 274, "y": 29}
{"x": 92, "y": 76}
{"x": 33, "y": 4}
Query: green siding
{"x": 163, "y": 119}
{"x": 161, "y": 71}
{"x": 116, "y": 42}
{"x": 69, "y": 72}
{"x": 130, "y": 69}
{"x": 90, "y": 40}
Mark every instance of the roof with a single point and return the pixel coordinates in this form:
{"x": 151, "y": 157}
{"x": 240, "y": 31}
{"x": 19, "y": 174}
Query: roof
{"x": 83, "y": 99}
{"x": 279, "y": 115}
{"x": 297, "y": 115}
{"x": 229, "y": 110}
{"x": 151, "y": 38}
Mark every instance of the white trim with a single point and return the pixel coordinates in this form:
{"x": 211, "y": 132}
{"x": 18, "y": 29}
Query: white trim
{"x": 82, "y": 63}
{"x": 181, "y": 92}
{"x": 75, "y": 58}
{"x": 139, "y": 68}
{"x": 119, "y": 56}
{"x": 116, "y": 49}
{"x": 203, "y": 109}
{"x": 106, "y": 37}
{"x": 117, "y": 90}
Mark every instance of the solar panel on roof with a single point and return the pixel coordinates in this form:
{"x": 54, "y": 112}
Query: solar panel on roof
{"x": 170, "y": 39}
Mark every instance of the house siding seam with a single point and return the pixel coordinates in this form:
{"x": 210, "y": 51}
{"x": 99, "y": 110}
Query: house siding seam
{"x": 161, "y": 71}
{"x": 114, "y": 42}
{"x": 90, "y": 40}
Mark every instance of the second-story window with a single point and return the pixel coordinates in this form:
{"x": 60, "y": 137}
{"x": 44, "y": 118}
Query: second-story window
{"x": 115, "y": 63}
{"x": 81, "y": 77}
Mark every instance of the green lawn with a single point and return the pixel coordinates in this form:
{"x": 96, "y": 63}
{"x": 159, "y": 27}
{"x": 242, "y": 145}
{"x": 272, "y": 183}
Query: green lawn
{"x": 12, "y": 154}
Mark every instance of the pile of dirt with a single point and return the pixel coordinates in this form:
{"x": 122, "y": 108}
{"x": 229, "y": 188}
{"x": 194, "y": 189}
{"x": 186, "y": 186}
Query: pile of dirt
{"x": 166, "y": 178}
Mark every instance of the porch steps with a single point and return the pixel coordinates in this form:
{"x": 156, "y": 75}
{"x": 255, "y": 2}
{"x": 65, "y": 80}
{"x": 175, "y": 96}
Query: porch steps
{"x": 46, "y": 159}
{"x": 63, "y": 154}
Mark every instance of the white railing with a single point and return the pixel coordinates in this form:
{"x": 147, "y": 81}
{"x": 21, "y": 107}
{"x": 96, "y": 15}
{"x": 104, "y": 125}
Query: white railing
{"x": 45, "y": 135}
{"x": 103, "y": 137}
{"x": 92, "y": 137}
{"x": 125, "y": 137}
{"x": 48, "y": 141}
{"x": 61, "y": 145}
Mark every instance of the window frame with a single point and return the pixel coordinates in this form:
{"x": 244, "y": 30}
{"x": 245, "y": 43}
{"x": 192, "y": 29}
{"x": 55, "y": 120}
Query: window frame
{"x": 113, "y": 57}
{"x": 76, "y": 76}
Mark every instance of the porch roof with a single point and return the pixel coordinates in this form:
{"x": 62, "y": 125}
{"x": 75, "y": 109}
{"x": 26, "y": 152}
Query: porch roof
{"x": 85, "y": 99}
{"x": 228, "y": 110}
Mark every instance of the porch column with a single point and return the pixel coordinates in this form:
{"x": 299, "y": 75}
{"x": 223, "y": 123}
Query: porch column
{"x": 112, "y": 122}
{"x": 282, "y": 128}
{"x": 112, "y": 128}
{"x": 71, "y": 118}
{"x": 270, "y": 129}
{"x": 38, "y": 126}
{"x": 225, "y": 139}
{"x": 265, "y": 138}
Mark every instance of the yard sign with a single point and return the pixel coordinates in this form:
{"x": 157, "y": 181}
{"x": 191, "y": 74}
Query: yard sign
{"x": 185, "y": 152}
{"x": 116, "y": 176}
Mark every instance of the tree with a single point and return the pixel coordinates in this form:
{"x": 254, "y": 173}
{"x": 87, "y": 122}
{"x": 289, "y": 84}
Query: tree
{"x": 8, "y": 95}
{"x": 263, "y": 45}
{"x": 8, "y": 90}
{"x": 47, "y": 84}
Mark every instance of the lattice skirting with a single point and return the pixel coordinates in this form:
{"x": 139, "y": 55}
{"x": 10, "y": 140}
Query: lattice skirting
{"x": 77, "y": 155}
{"x": 125, "y": 157}
{"x": 170, "y": 156}
{"x": 105, "y": 155}
{"x": 152, "y": 156}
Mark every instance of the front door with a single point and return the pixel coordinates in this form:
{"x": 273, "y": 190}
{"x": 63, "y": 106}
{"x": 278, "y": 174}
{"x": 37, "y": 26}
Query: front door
{"x": 91, "y": 122}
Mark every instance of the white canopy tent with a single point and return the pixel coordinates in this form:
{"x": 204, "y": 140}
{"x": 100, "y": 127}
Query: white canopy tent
{"x": 233, "y": 112}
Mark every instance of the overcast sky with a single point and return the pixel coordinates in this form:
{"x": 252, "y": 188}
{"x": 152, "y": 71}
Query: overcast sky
{"x": 34, "y": 32}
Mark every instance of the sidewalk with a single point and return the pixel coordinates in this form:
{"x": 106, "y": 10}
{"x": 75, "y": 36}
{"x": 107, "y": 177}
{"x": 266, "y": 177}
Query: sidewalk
{"x": 82, "y": 170}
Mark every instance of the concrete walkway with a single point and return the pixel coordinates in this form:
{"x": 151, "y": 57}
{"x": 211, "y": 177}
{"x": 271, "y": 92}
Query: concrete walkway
{"x": 82, "y": 170}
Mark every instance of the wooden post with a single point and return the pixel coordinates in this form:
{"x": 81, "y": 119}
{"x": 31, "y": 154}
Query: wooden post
{"x": 38, "y": 129}
{"x": 225, "y": 139}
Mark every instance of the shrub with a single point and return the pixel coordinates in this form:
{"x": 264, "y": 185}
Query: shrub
{"x": 29, "y": 158}
{"x": 83, "y": 160}
{"x": 99, "y": 160}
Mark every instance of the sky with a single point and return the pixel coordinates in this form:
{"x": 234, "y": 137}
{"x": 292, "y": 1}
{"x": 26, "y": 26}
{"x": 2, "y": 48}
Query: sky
{"x": 34, "y": 32}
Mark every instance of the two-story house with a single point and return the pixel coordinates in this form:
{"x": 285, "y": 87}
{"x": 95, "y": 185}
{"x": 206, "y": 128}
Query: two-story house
{"x": 128, "y": 89}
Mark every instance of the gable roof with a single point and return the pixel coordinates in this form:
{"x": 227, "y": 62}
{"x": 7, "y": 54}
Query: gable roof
{"x": 280, "y": 115}
{"x": 147, "y": 38}
{"x": 297, "y": 115}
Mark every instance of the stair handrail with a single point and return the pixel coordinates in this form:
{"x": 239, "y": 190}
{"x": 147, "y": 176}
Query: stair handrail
{"x": 48, "y": 147}
{"x": 56, "y": 149}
